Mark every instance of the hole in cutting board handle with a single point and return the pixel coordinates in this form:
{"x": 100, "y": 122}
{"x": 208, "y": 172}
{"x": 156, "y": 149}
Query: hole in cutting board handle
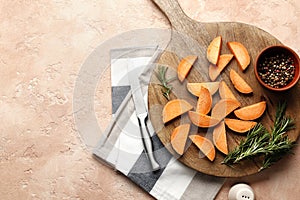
{"x": 173, "y": 11}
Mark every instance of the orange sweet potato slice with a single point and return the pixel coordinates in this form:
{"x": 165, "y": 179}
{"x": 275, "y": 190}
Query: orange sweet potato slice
{"x": 215, "y": 70}
{"x": 202, "y": 120}
{"x": 224, "y": 107}
{"x": 179, "y": 137}
{"x": 225, "y": 92}
{"x": 239, "y": 126}
{"x": 251, "y": 112}
{"x": 194, "y": 88}
{"x": 204, "y": 101}
{"x": 219, "y": 138}
{"x": 175, "y": 108}
{"x": 205, "y": 146}
{"x": 214, "y": 49}
{"x": 185, "y": 66}
{"x": 240, "y": 53}
{"x": 239, "y": 83}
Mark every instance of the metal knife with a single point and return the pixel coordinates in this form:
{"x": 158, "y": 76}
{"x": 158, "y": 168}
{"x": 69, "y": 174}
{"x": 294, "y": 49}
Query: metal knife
{"x": 142, "y": 114}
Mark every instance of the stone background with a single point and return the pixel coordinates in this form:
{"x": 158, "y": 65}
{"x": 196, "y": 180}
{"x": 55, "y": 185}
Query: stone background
{"x": 42, "y": 47}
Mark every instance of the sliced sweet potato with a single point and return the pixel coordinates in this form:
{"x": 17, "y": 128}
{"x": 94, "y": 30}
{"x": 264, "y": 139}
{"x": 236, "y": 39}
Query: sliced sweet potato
{"x": 205, "y": 146}
{"x": 179, "y": 137}
{"x": 219, "y": 138}
{"x": 175, "y": 108}
{"x": 194, "y": 88}
{"x": 225, "y": 92}
{"x": 202, "y": 120}
{"x": 215, "y": 70}
{"x": 240, "y": 53}
{"x": 224, "y": 107}
{"x": 239, "y": 83}
{"x": 214, "y": 49}
{"x": 239, "y": 126}
{"x": 204, "y": 101}
{"x": 185, "y": 66}
{"x": 251, "y": 112}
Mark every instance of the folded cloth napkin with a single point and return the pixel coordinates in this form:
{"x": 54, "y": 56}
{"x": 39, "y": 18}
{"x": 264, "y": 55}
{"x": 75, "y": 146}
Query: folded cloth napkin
{"x": 121, "y": 145}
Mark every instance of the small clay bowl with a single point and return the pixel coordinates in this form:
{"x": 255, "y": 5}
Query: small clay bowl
{"x": 276, "y": 61}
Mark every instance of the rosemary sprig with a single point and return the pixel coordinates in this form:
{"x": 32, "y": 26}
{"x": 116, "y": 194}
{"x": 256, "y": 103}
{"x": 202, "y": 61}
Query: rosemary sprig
{"x": 259, "y": 142}
{"x": 161, "y": 75}
{"x": 279, "y": 144}
{"x": 253, "y": 145}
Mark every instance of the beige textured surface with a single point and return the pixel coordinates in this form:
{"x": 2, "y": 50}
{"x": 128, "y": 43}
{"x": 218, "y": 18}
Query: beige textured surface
{"x": 42, "y": 46}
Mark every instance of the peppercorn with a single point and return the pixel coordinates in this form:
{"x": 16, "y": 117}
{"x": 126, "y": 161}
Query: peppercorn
{"x": 277, "y": 71}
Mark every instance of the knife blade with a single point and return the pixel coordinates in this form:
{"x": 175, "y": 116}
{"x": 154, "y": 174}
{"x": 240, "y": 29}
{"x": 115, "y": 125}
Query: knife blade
{"x": 141, "y": 113}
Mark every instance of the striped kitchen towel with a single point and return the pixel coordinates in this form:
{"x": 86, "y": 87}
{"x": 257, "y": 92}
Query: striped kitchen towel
{"x": 121, "y": 145}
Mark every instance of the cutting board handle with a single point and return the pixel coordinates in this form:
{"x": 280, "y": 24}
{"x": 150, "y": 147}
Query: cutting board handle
{"x": 173, "y": 12}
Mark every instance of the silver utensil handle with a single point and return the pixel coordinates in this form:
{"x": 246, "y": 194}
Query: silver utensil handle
{"x": 146, "y": 138}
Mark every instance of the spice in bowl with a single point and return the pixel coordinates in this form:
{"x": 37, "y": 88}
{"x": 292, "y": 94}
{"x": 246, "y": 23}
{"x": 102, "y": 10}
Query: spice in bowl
{"x": 277, "y": 70}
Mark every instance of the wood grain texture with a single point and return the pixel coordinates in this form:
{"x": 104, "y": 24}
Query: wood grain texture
{"x": 190, "y": 37}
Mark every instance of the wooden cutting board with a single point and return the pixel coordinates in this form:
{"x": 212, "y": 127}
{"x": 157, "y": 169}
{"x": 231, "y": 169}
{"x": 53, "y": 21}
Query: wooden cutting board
{"x": 190, "y": 37}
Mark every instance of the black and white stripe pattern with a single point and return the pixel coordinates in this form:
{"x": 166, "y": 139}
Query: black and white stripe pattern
{"x": 122, "y": 147}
